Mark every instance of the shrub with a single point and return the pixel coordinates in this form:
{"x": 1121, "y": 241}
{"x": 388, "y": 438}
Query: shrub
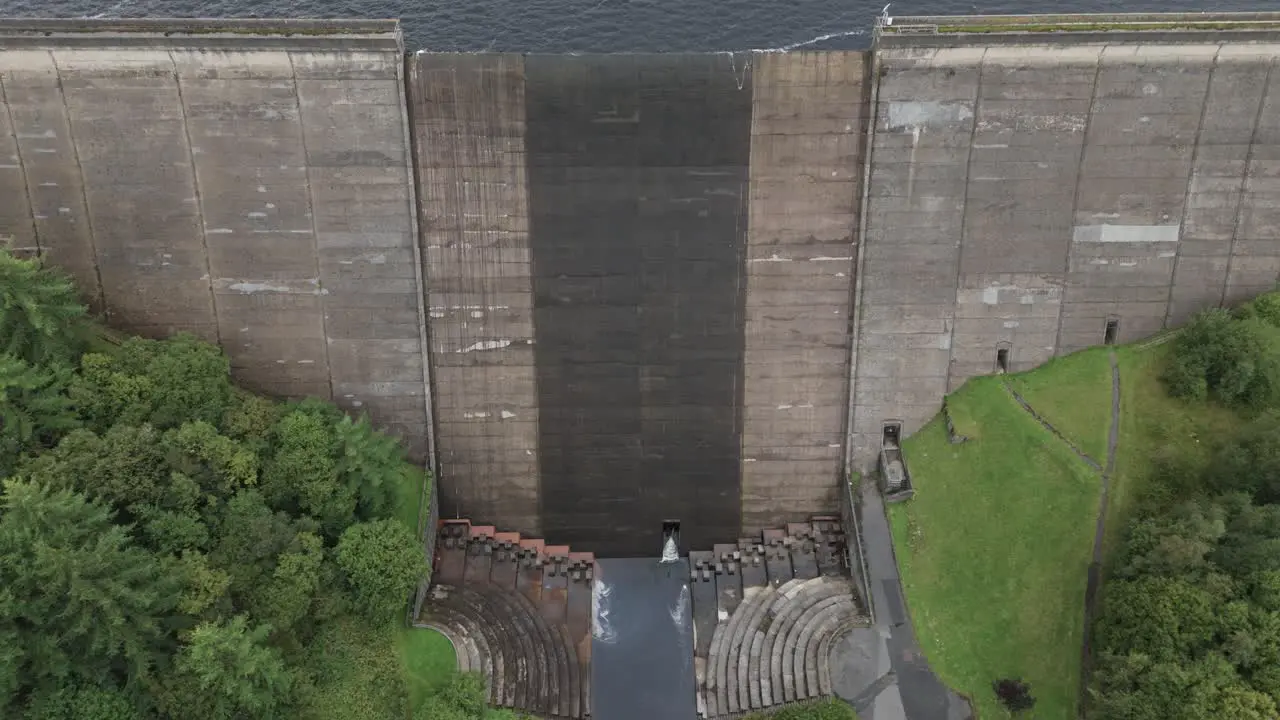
{"x": 1234, "y": 360}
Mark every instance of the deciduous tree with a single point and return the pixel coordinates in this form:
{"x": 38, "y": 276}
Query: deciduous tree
{"x": 383, "y": 562}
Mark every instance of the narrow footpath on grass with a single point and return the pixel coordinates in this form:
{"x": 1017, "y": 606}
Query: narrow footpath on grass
{"x": 1106, "y": 470}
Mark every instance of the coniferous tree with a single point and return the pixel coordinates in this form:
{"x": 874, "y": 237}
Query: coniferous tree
{"x": 81, "y": 600}
{"x": 41, "y": 319}
{"x": 229, "y": 671}
{"x": 34, "y": 409}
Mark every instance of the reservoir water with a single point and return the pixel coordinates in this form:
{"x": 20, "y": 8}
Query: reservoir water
{"x": 560, "y": 26}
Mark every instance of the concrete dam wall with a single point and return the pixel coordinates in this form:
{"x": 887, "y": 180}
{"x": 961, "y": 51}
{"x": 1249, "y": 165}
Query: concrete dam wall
{"x": 599, "y": 292}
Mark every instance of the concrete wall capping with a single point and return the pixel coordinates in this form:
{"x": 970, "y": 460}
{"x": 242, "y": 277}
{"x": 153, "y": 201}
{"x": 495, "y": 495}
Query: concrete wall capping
{"x": 199, "y": 33}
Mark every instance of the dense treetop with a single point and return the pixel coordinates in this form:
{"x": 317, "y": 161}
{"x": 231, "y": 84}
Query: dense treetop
{"x": 170, "y": 542}
{"x": 1190, "y": 622}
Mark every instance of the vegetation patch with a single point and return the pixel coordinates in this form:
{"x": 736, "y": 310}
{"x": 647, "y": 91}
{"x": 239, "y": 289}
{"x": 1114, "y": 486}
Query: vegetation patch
{"x": 819, "y": 710}
{"x": 171, "y": 545}
{"x": 994, "y": 551}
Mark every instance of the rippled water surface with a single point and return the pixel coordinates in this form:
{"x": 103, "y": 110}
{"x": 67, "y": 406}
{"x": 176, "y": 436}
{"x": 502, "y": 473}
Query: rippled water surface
{"x": 608, "y": 25}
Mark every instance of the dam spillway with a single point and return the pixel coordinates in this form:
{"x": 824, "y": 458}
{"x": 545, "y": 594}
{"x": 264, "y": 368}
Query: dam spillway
{"x": 597, "y": 292}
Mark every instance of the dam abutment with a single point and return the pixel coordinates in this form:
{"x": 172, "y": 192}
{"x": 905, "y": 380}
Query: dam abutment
{"x": 598, "y": 292}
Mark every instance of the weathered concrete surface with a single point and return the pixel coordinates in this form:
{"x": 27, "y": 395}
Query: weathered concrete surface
{"x": 468, "y": 114}
{"x": 809, "y": 117}
{"x": 1023, "y": 196}
{"x": 247, "y": 186}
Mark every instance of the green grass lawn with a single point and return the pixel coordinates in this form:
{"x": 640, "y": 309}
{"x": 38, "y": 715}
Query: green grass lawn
{"x": 1073, "y": 393}
{"x": 994, "y": 551}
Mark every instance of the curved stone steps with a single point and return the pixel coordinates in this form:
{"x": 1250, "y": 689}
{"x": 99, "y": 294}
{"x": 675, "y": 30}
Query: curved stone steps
{"x": 530, "y": 665}
{"x": 471, "y": 650}
{"x": 796, "y": 668}
{"x": 726, "y": 669}
{"x": 783, "y": 635}
{"x": 553, "y": 666}
{"x": 774, "y": 648}
{"x": 524, "y": 670}
{"x": 751, "y": 666}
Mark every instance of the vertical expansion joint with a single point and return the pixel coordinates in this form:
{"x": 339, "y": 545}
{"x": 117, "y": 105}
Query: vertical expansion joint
{"x": 1109, "y": 338}
{"x": 311, "y": 210}
{"x": 407, "y": 77}
{"x": 84, "y": 192}
{"x": 22, "y": 168}
{"x": 1244, "y": 180}
{"x": 1075, "y": 198}
{"x": 195, "y": 184}
{"x": 872, "y": 95}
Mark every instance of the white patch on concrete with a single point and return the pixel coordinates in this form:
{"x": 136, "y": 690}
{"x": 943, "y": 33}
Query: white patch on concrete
{"x": 436, "y": 313}
{"x": 785, "y": 407}
{"x": 748, "y": 460}
{"x": 722, "y": 615}
{"x": 1011, "y": 323}
{"x": 824, "y": 258}
{"x": 601, "y": 625}
{"x": 486, "y": 345}
{"x": 257, "y": 214}
{"x": 249, "y": 288}
{"x": 271, "y": 206}
{"x": 310, "y": 286}
{"x": 306, "y": 362}
{"x": 839, "y": 274}
{"x": 772, "y": 258}
{"x": 46, "y": 151}
{"x": 477, "y": 313}
{"x": 1107, "y": 233}
{"x": 944, "y": 342}
{"x": 992, "y": 146}
{"x": 46, "y": 134}
{"x": 507, "y": 414}
{"x": 991, "y": 296}
{"x": 1166, "y": 254}
{"x": 475, "y": 415}
{"x": 912, "y": 115}
{"x": 262, "y": 188}
{"x": 48, "y": 184}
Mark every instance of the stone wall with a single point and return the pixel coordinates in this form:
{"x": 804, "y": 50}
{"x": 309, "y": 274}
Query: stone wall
{"x": 1022, "y": 196}
{"x": 232, "y": 181}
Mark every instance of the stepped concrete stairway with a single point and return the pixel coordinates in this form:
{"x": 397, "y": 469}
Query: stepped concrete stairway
{"x": 766, "y": 612}
{"x": 518, "y": 611}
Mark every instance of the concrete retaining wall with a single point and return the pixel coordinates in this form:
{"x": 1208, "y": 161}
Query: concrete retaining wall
{"x": 232, "y": 180}
{"x": 1022, "y": 196}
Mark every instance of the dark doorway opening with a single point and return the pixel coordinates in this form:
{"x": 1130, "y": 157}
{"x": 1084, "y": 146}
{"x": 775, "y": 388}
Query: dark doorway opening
{"x": 892, "y": 434}
{"x": 1113, "y": 329}
{"x": 1002, "y": 360}
{"x": 670, "y": 528}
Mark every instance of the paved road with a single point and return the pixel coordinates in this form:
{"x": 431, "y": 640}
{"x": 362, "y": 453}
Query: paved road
{"x": 880, "y": 670}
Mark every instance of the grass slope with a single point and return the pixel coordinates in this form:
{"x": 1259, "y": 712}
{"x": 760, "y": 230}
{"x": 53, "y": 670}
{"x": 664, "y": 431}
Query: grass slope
{"x": 1154, "y": 429}
{"x": 1073, "y": 393}
{"x": 994, "y": 551}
